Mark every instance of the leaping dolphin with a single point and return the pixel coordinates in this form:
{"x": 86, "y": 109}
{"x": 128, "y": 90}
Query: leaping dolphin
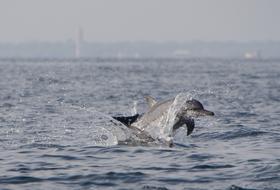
{"x": 159, "y": 113}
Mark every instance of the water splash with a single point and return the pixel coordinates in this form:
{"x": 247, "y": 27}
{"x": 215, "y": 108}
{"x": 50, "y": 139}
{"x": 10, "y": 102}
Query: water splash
{"x": 169, "y": 121}
{"x": 106, "y": 131}
{"x": 162, "y": 127}
{"x": 134, "y": 108}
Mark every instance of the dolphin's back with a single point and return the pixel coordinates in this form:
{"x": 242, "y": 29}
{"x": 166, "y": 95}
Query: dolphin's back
{"x": 154, "y": 113}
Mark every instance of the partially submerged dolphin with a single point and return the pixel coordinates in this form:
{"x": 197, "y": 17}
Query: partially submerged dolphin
{"x": 160, "y": 111}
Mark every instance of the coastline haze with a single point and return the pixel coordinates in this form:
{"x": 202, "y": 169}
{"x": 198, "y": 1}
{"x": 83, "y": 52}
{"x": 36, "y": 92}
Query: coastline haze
{"x": 125, "y": 20}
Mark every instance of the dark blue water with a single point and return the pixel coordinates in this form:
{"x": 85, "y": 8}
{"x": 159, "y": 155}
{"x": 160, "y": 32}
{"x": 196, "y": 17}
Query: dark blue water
{"x": 52, "y": 113}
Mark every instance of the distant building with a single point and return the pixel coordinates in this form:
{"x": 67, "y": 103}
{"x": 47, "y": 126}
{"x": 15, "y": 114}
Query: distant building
{"x": 252, "y": 55}
{"x": 181, "y": 53}
{"x": 79, "y": 43}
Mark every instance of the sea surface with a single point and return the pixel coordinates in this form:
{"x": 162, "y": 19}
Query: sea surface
{"x": 53, "y": 114}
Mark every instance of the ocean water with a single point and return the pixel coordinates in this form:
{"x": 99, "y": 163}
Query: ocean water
{"x": 54, "y": 114}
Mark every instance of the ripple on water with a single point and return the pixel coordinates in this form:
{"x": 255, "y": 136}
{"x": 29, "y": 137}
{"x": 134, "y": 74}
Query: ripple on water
{"x": 235, "y": 187}
{"x": 201, "y": 156}
{"x": 211, "y": 167}
{"x": 148, "y": 187}
{"x": 243, "y": 132}
{"x": 19, "y": 180}
{"x": 46, "y": 141}
{"x": 63, "y": 157}
{"x": 107, "y": 179}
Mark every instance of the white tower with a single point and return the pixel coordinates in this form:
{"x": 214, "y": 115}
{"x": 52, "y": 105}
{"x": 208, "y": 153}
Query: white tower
{"x": 79, "y": 42}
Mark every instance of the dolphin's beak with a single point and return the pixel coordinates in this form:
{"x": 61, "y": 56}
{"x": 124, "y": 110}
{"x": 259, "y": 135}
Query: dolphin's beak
{"x": 206, "y": 113}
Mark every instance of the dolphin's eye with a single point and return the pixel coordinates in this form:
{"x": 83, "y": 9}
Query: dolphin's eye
{"x": 192, "y": 109}
{"x": 196, "y": 108}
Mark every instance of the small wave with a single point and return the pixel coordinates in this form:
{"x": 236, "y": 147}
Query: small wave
{"x": 267, "y": 172}
{"x": 49, "y": 80}
{"x": 201, "y": 157}
{"x": 63, "y": 157}
{"x": 234, "y": 187}
{"x": 102, "y": 179}
{"x": 129, "y": 176}
{"x": 107, "y": 179}
{"x": 229, "y": 135}
{"x": 181, "y": 145}
{"x": 147, "y": 187}
{"x": 7, "y": 105}
{"x": 241, "y": 133}
{"x": 2, "y": 119}
{"x": 114, "y": 149}
{"x": 42, "y": 146}
{"x": 154, "y": 168}
{"x": 19, "y": 180}
{"x": 24, "y": 169}
{"x": 175, "y": 181}
{"x": 206, "y": 166}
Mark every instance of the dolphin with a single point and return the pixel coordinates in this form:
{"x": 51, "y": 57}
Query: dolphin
{"x": 160, "y": 111}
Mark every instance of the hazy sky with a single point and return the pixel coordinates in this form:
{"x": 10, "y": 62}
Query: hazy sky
{"x": 140, "y": 20}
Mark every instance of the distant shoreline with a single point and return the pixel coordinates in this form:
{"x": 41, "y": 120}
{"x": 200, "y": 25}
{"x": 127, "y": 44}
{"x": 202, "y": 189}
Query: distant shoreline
{"x": 195, "y": 49}
{"x": 142, "y": 59}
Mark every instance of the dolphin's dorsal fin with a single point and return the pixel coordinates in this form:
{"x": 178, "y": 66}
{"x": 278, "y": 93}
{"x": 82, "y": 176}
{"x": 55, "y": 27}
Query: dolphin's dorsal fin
{"x": 150, "y": 101}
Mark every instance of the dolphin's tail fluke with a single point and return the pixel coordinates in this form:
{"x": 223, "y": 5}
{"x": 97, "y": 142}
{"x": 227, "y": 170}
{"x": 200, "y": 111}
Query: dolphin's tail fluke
{"x": 127, "y": 120}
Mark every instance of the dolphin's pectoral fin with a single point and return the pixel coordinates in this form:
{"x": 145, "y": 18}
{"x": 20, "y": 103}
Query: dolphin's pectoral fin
{"x": 190, "y": 125}
{"x": 127, "y": 120}
{"x": 151, "y": 101}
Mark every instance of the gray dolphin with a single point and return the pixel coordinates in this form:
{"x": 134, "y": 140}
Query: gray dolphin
{"x": 160, "y": 111}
